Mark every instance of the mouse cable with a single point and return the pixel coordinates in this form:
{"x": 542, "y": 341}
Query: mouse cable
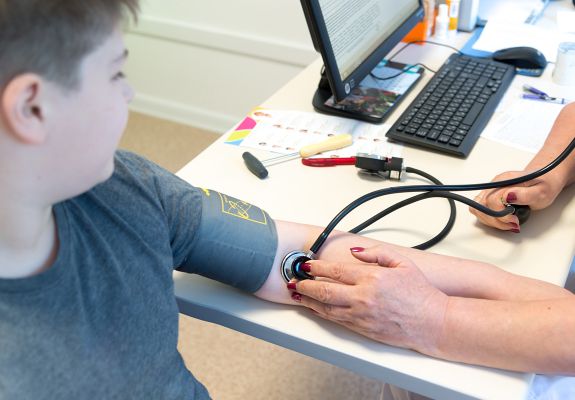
{"x": 423, "y": 41}
{"x": 414, "y": 65}
{"x": 403, "y": 71}
{"x": 444, "y": 188}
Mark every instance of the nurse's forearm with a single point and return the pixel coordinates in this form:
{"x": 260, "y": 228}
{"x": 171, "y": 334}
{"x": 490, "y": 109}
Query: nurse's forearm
{"x": 561, "y": 134}
{"x": 468, "y": 278}
{"x": 531, "y": 336}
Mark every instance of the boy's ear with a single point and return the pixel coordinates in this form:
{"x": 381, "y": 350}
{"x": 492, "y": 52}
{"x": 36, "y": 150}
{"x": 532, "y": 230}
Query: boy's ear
{"x": 22, "y": 110}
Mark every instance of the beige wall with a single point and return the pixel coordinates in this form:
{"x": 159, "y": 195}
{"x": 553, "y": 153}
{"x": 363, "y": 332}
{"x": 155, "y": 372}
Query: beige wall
{"x": 208, "y": 63}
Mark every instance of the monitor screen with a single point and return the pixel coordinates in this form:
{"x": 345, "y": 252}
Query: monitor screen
{"x": 353, "y": 36}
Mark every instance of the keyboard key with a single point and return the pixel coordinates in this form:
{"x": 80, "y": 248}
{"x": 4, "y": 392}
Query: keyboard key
{"x": 473, "y": 113}
{"x": 443, "y": 139}
{"x": 433, "y": 134}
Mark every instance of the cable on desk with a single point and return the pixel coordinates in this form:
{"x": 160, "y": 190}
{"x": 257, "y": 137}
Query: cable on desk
{"x": 423, "y": 41}
{"x": 444, "y": 188}
{"x": 414, "y": 65}
{"x": 409, "y": 68}
{"x": 437, "y": 238}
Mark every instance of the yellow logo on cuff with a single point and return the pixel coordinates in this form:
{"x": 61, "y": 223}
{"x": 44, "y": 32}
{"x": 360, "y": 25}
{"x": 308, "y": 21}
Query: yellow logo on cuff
{"x": 243, "y": 210}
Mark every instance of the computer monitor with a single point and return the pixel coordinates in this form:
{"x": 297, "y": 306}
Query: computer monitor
{"x": 353, "y": 36}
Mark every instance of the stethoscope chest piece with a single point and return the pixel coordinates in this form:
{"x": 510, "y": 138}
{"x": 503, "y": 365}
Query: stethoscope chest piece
{"x": 291, "y": 265}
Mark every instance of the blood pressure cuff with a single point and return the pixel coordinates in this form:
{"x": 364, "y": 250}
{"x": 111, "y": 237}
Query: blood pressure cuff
{"x": 235, "y": 244}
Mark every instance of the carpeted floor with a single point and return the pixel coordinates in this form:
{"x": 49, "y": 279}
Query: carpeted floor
{"x": 232, "y": 365}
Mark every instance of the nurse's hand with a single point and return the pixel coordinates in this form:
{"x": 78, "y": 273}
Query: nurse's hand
{"x": 388, "y": 300}
{"x": 537, "y": 194}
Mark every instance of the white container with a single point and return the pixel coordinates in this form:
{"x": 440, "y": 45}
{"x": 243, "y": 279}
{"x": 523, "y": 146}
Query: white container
{"x": 442, "y": 22}
{"x": 468, "y": 10}
{"x": 564, "y": 72}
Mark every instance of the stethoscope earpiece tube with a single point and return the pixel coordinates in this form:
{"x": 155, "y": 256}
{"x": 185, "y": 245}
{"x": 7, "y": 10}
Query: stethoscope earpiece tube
{"x": 441, "y": 191}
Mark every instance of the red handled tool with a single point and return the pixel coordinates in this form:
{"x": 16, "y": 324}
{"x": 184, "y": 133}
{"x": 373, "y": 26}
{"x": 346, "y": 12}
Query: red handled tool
{"x": 328, "y": 162}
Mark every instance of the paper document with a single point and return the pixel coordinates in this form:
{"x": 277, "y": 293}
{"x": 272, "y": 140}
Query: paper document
{"x": 500, "y": 35}
{"x": 287, "y": 132}
{"x": 524, "y": 125}
{"x": 508, "y": 11}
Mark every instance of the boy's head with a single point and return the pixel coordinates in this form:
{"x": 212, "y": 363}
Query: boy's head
{"x": 51, "y": 37}
{"x": 63, "y": 97}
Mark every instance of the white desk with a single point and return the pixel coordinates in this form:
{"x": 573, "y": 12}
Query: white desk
{"x": 293, "y": 192}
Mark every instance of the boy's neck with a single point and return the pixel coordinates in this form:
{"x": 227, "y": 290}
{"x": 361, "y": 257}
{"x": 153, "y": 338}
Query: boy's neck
{"x": 28, "y": 242}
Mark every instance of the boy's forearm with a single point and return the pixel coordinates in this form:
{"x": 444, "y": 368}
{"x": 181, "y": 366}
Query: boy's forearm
{"x": 454, "y": 276}
{"x": 294, "y": 236}
{"x": 531, "y": 336}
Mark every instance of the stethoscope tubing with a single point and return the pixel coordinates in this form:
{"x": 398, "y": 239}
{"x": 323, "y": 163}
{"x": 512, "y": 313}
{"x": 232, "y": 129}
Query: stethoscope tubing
{"x": 442, "y": 191}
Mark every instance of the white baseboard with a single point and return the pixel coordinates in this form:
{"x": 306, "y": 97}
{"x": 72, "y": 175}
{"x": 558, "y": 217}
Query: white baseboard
{"x": 183, "y": 113}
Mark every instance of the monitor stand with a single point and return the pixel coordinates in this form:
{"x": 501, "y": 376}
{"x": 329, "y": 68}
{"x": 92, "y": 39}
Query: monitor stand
{"x": 372, "y": 100}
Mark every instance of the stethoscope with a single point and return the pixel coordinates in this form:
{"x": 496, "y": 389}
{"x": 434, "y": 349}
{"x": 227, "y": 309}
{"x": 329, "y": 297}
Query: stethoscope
{"x": 292, "y": 262}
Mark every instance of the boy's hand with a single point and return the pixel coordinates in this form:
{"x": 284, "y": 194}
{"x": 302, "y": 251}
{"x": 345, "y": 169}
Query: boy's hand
{"x": 537, "y": 194}
{"x": 394, "y": 304}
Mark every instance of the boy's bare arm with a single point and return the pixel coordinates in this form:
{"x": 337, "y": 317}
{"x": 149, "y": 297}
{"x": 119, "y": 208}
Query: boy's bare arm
{"x": 453, "y": 276}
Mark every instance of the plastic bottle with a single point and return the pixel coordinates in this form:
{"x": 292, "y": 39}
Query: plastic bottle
{"x": 429, "y": 7}
{"x": 442, "y": 22}
{"x": 453, "y": 15}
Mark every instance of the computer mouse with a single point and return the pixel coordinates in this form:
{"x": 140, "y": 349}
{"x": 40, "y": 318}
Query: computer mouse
{"x": 521, "y": 57}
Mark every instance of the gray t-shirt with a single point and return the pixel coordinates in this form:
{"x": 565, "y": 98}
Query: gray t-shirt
{"x": 102, "y": 322}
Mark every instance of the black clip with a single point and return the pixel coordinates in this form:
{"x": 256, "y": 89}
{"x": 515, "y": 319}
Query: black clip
{"x": 385, "y": 167}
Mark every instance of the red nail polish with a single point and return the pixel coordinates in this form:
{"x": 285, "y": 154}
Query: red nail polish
{"x": 291, "y": 286}
{"x": 514, "y": 225}
{"x": 357, "y": 249}
{"x": 511, "y": 197}
{"x": 515, "y": 231}
{"x": 306, "y": 267}
{"x": 296, "y": 297}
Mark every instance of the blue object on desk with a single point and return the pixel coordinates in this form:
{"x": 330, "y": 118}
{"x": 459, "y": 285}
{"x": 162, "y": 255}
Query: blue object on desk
{"x": 468, "y": 49}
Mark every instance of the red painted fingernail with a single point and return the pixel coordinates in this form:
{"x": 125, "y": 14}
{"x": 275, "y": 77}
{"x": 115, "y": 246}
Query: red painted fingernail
{"x": 306, "y": 267}
{"x": 515, "y": 231}
{"x": 511, "y": 197}
{"x": 296, "y": 297}
{"x": 291, "y": 286}
{"x": 357, "y": 249}
{"x": 514, "y": 225}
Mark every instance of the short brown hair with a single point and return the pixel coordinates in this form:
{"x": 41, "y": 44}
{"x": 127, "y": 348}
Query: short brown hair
{"x": 51, "y": 37}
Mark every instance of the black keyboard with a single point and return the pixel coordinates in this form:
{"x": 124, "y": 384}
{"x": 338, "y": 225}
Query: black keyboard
{"x": 454, "y": 107}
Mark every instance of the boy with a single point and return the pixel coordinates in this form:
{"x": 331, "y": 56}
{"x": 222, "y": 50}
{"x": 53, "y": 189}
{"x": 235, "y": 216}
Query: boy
{"x": 89, "y": 237}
